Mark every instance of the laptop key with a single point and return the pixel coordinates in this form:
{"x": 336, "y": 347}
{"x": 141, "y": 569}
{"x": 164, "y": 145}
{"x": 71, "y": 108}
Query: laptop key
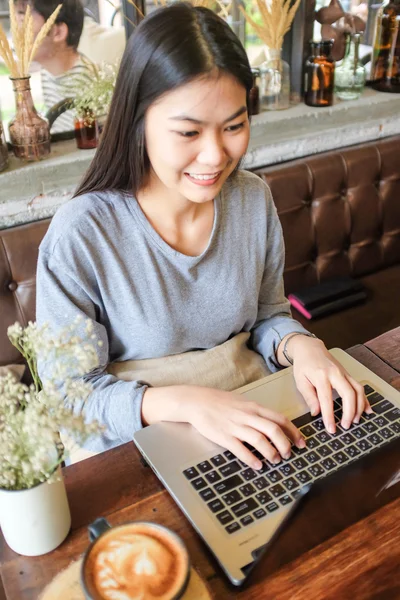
{"x": 232, "y": 527}
{"x": 207, "y": 494}
{"x": 261, "y": 483}
{"x": 228, "y": 484}
{"x": 247, "y": 490}
{"x": 381, "y": 421}
{"x": 336, "y": 445}
{"x": 324, "y": 451}
{"x": 229, "y": 455}
{"x": 312, "y": 443}
{"x": 213, "y": 477}
{"x": 204, "y": 466}
{"x": 198, "y": 483}
{"x": 374, "y": 398}
{"x": 224, "y": 517}
{"x": 323, "y": 436}
{"x": 375, "y": 439}
{"x": 215, "y": 505}
{"x": 312, "y": 457}
{"x": 277, "y": 490}
{"x": 393, "y": 415}
{"x": 382, "y": 407}
{"x": 272, "y": 506}
{"x": 328, "y": 463}
{"x": 297, "y": 451}
{"x": 247, "y": 520}
{"x": 359, "y": 433}
{"x": 319, "y": 424}
{"x": 232, "y": 497}
{"x": 248, "y": 474}
{"x": 368, "y": 389}
{"x": 264, "y": 469}
{"x": 302, "y": 420}
{"x": 303, "y": 477}
{"x": 263, "y": 497}
{"x": 368, "y": 417}
{"x": 395, "y": 427}
{"x": 218, "y": 460}
{"x": 307, "y": 430}
{"x": 244, "y": 507}
{"x": 386, "y": 433}
{"x": 287, "y": 469}
{"x": 316, "y": 470}
{"x": 259, "y": 513}
{"x": 340, "y": 457}
{"x": 352, "y": 451}
{"x": 191, "y": 473}
{"x": 285, "y": 500}
{"x": 348, "y": 439}
{"x": 300, "y": 463}
{"x": 230, "y": 468}
{"x": 370, "y": 427}
{"x": 364, "y": 445}
{"x": 274, "y": 476}
{"x": 290, "y": 484}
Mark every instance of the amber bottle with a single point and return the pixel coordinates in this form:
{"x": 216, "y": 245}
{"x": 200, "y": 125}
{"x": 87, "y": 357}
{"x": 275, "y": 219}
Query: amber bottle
{"x": 254, "y": 95}
{"x": 319, "y": 75}
{"x": 385, "y": 69}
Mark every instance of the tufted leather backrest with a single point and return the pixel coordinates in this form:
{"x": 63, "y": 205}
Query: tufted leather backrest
{"x": 340, "y": 212}
{"x": 19, "y": 248}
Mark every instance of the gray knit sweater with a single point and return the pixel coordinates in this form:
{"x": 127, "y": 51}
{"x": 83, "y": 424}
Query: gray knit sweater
{"x": 102, "y": 259}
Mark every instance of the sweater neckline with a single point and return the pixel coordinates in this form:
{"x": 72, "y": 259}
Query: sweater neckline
{"x": 163, "y": 245}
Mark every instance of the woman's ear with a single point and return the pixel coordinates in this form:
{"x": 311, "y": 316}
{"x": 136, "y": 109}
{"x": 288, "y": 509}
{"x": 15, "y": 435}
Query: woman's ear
{"x": 60, "y": 32}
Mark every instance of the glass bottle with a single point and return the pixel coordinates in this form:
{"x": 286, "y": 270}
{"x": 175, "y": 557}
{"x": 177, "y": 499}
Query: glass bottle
{"x": 274, "y": 82}
{"x": 385, "y": 68}
{"x": 350, "y": 74}
{"x": 29, "y": 132}
{"x": 86, "y": 132}
{"x": 254, "y": 96}
{"x": 319, "y": 75}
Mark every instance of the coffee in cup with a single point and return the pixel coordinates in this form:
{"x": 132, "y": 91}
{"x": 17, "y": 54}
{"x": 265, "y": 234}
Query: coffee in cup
{"x": 135, "y": 561}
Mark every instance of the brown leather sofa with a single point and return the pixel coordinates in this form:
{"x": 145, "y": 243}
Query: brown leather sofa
{"x": 340, "y": 213}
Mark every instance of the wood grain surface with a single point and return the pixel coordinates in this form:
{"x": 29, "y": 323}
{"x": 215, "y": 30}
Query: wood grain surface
{"x": 359, "y": 563}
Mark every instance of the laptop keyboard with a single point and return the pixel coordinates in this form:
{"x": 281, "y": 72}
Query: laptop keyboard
{"x": 239, "y": 496}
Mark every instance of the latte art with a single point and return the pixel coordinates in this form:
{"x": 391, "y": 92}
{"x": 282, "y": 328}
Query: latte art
{"x": 137, "y": 562}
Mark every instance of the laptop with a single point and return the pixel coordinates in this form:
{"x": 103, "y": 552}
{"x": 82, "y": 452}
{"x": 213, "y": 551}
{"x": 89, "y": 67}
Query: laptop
{"x": 246, "y": 516}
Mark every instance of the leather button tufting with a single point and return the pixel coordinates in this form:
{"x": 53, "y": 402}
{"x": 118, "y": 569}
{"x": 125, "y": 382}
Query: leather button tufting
{"x": 12, "y": 286}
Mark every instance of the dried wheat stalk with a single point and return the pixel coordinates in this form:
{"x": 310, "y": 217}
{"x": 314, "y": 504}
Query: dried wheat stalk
{"x": 42, "y": 34}
{"x": 24, "y": 45}
{"x": 277, "y": 17}
{"x": 7, "y": 55}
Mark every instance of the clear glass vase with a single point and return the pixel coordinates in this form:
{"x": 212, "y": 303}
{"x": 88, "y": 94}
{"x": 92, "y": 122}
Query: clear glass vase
{"x": 274, "y": 82}
{"x": 350, "y": 74}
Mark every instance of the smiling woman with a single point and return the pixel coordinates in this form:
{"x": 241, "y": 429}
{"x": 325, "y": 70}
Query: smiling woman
{"x": 175, "y": 255}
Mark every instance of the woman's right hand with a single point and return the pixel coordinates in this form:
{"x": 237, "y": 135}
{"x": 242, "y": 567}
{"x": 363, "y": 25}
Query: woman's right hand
{"x": 225, "y": 418}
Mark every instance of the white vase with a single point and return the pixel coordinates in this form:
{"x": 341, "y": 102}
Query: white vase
{"x": 36, "y": 520}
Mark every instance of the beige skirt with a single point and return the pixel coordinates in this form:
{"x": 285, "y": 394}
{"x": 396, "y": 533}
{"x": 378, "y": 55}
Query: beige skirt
{"x": 228, "y": 367}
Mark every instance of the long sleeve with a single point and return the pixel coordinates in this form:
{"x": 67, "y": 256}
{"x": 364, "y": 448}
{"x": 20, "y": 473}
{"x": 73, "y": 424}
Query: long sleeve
{"x": 274, "y": 319}
{"x": 114, "y": 403}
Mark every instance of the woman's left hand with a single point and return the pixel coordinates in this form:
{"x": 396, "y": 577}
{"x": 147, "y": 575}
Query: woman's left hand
{"x": 316, "y": 372}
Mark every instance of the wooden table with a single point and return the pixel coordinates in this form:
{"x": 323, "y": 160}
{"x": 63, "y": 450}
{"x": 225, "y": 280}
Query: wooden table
{"x": 361, "y": 562}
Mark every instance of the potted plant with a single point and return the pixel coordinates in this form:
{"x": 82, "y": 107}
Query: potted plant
{"x": 34, "y": 511}
{"x": 92, "y": 104}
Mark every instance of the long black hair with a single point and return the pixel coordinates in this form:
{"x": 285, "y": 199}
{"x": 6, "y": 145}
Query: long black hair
{"x": 170, "y": 47}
